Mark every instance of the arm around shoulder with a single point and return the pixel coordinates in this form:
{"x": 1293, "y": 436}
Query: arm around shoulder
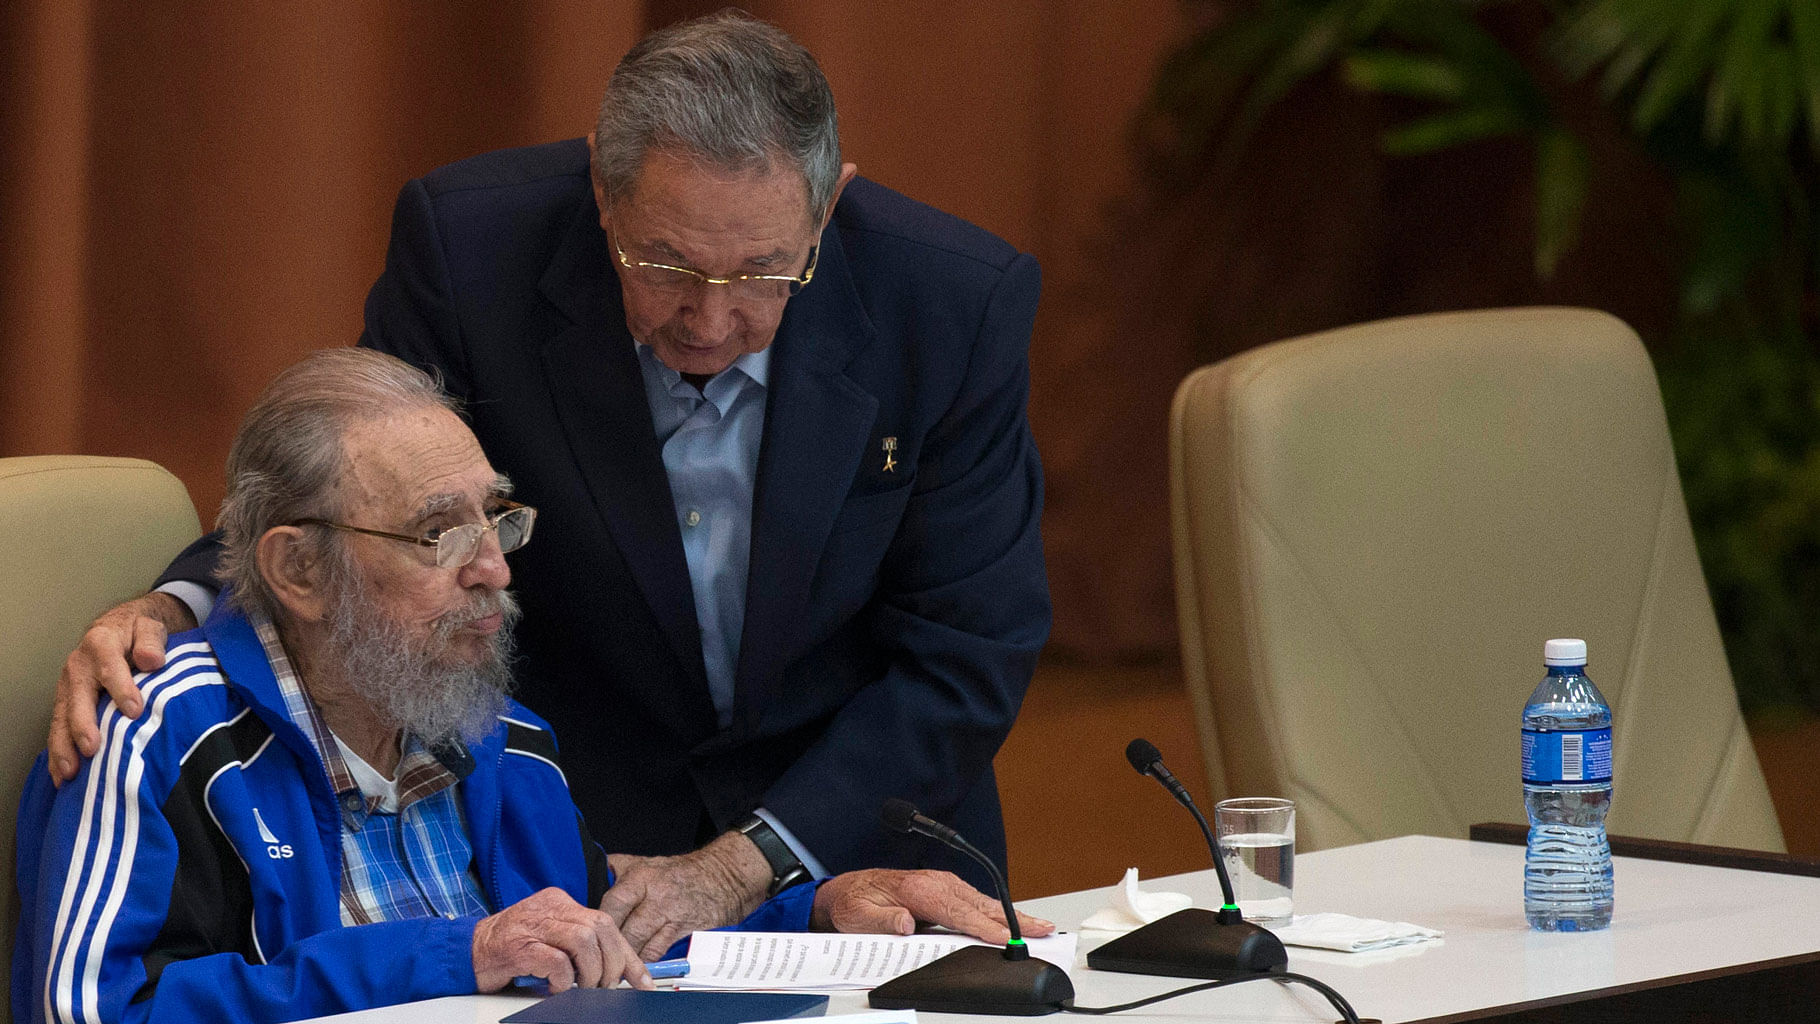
{"x": 126, "y": 638}
{"x": 112, "y": 934}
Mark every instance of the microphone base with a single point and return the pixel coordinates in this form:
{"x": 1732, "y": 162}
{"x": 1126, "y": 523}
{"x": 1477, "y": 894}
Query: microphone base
{"x": 978, "y": 979}
{"x": 1192, "y": 943}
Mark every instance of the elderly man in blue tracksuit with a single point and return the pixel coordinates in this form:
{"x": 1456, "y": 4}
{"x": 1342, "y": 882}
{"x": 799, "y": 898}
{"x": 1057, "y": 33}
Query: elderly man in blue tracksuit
{"x": 329, "y": 803}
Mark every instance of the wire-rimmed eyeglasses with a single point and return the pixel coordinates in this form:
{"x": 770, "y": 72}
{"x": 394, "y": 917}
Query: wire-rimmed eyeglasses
{"x": 756, "y": 287}
{"x": 456, "y": 545}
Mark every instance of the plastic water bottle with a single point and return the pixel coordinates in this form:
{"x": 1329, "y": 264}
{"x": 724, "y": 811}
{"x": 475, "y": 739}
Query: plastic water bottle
{"x": 1567, "y": 884}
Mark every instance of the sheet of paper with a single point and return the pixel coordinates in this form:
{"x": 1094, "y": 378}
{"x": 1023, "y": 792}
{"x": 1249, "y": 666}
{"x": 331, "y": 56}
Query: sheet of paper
{"x": 793, "y": 960}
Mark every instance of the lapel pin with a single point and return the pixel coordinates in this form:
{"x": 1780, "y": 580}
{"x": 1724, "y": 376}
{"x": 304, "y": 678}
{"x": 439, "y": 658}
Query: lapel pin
{"x": 890, "y": 446}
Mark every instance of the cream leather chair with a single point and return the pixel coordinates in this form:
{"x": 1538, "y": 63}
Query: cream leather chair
{"x": 81, "y": 534}
{"x": 1375, "y": 530}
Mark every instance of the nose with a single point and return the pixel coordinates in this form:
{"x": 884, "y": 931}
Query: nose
{"x": 711, "y": 315}
{"x": 488, "y": 569}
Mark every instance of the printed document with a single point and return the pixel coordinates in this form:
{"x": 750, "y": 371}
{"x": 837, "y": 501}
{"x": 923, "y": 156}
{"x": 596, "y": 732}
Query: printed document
{"x": 793, "y": 960}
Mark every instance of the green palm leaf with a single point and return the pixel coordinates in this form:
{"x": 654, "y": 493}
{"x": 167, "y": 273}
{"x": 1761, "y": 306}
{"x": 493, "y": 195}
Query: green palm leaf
{"x": 1562, "y": 171}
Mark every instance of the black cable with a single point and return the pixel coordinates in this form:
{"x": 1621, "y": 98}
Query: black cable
{"x": 1338, "y": 1001}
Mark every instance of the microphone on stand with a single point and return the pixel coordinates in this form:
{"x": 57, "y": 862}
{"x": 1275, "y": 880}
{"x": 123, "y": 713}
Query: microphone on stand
{"x": 1191, "y": 943}
{"x": 973, "y": 979}
{"x": 1148, "y": 760}
{"x": 902, "y": 816}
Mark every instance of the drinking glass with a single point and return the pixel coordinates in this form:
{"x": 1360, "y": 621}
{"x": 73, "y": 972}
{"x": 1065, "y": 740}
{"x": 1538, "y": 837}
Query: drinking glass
{"x": 1257, "y": 841}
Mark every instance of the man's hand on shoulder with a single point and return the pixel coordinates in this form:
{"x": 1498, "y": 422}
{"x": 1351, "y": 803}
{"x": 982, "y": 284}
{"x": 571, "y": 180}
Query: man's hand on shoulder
{"x": 548, "y": 935}
{"x": 127, "y": 638}
{"x": 890, "y": 902}
{"x": 657, "y": 900}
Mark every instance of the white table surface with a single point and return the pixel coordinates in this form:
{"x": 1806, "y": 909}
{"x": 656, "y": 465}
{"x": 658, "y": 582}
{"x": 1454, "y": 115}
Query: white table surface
{"x": 1670, "y": 920}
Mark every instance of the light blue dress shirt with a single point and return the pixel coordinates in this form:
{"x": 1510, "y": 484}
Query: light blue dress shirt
{"x": 710, "y": 446}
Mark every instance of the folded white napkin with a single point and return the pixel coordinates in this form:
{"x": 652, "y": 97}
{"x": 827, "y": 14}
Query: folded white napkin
{"x": 1131, "y": 907}
{"x": 1350, "y": 934}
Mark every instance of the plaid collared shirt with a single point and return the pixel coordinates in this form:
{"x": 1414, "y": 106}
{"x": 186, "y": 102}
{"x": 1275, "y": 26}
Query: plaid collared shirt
{"x": 415, "y": 861}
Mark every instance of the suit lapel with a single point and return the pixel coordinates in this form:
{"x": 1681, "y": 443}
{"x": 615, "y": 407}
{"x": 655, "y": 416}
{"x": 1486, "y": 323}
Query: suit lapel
{"x": 816, "y": 425}
{"x": 593, "y": 374}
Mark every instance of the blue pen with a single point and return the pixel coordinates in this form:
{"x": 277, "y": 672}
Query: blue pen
{"x": 659, "y": 970}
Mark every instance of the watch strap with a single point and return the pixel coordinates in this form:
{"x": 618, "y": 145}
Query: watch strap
{"x": 786, "y": 867}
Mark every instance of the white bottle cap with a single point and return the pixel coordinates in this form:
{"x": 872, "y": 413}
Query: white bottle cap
{"x": 1564, "y": 652}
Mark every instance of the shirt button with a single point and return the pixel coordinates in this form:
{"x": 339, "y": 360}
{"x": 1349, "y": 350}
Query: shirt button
{"x": 693, "y": 518}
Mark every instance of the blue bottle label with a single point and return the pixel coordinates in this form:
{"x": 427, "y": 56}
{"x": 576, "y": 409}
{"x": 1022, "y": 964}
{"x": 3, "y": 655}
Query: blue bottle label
{"x": 1575, "y": 755}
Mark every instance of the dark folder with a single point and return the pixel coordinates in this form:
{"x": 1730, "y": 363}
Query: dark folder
{"x": 636, "y": 1006}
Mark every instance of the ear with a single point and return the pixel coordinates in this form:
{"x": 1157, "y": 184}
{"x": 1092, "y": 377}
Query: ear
{"x": 293, "y": 571}
{"x": 847, "y": 171}
{"x": 600, "y": 194}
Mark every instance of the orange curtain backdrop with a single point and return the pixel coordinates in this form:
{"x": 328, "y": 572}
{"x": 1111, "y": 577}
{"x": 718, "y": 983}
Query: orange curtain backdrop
{"x": 200, "y": 192}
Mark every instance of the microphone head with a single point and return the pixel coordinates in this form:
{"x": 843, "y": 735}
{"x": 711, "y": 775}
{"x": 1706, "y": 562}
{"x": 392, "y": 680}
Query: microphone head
{"x": 1143, "y": 755}
{"x": 898, "y": 814}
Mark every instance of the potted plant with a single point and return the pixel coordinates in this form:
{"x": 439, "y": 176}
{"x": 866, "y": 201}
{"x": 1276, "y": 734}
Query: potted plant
{"x": 1722, "y": 99}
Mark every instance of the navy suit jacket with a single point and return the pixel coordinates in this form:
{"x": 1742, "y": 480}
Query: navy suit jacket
{"x": 892, "y": 617}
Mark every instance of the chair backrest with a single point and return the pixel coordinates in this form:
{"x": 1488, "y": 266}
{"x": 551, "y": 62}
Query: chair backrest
{"x": 82, "y": 534}
{"x": 1375, "y": 530}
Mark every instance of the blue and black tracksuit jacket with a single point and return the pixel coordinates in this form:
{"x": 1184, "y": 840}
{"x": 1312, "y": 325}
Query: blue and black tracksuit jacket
{"x": 192, "y": 871}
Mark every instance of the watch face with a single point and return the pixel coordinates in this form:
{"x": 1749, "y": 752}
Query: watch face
{"x": 795, "y": 876}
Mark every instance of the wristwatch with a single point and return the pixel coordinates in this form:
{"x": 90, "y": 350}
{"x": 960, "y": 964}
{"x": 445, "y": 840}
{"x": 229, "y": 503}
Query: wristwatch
{"x": 786, "y": 868}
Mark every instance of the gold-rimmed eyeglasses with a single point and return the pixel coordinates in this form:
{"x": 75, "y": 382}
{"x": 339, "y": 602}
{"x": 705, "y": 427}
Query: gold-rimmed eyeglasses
{"x": 456, "y": 546}
{"x": 753, "y": 287}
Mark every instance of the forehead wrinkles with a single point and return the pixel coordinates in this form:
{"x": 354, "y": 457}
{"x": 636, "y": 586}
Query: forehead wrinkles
{"x": 695, "y": 243}
{"x": 664, "y": 166}
{"x": 397, "y": 462}
{"x": 724, "y": 215}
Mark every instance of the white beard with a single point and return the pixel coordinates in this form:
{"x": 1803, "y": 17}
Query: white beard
{"x": 409, "y": 683}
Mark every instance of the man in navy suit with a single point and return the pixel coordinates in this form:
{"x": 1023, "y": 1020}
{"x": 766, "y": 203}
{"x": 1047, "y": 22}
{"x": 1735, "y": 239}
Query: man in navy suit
{"x": 774, "y": 416}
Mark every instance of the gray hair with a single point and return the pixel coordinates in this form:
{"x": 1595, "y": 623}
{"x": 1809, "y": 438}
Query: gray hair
{"x": 727, "y": 89}
{"x": 289, "y": 455}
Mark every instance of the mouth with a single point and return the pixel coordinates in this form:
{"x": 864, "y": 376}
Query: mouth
{"x": 694, "y": 344}
{"x": 486, "y": 625}
{"x": 683, "y": 336}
